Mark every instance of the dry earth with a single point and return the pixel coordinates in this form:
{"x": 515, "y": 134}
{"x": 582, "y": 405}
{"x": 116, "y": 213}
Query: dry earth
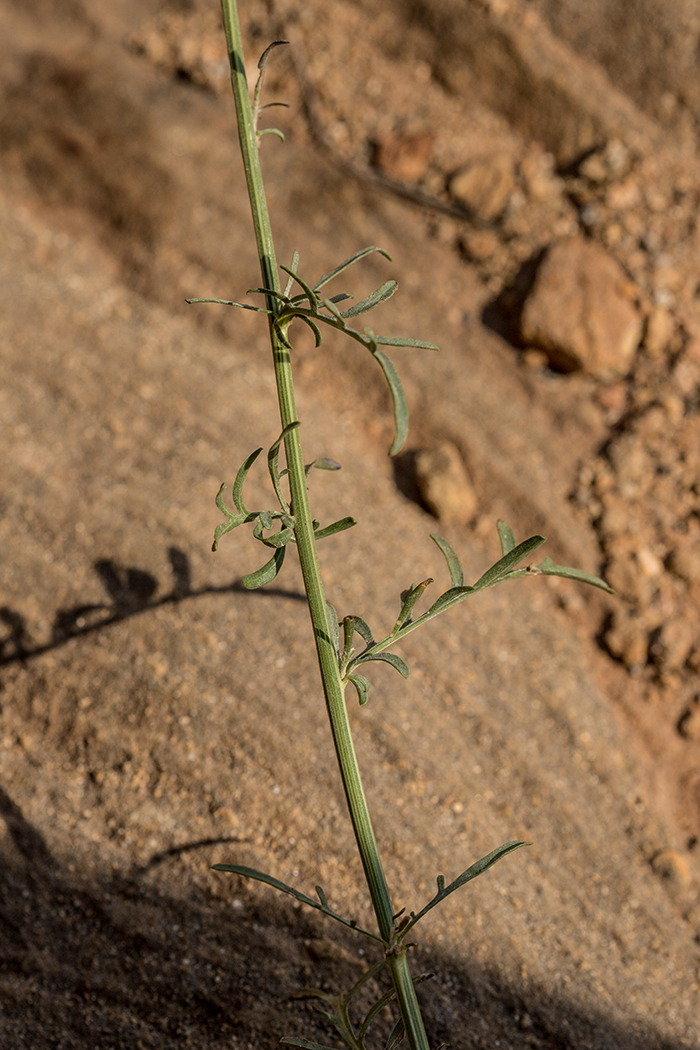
{"x": 521, "y": 166}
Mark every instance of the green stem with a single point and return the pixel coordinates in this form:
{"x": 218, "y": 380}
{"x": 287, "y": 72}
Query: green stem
{"x": 304, "y": 534}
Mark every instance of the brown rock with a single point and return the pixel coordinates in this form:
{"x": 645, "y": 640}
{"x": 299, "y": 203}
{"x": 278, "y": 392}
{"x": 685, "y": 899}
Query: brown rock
{"x": 578, "y": 311}
{"x": 660, "y": 328}
{"x": 485, "y": 185}
{"x": 404, "y": 157}
{"x": 445, "y": 485}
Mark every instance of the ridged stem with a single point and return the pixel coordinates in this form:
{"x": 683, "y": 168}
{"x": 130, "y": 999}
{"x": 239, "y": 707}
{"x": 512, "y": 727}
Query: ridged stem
{"x": 304, "y": 534}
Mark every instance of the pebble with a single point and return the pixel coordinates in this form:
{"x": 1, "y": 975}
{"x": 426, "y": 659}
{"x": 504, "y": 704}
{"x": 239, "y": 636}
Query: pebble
{"x": 579, "y": 312}
{"x": 445, "y": 485}
{"x": 485, "y": 185}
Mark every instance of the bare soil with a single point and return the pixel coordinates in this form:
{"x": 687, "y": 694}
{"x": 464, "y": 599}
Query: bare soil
{"x": 155, "y": 717}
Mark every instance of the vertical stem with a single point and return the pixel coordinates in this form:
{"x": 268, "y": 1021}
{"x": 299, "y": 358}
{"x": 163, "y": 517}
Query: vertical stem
{"x": 306, "y": 545}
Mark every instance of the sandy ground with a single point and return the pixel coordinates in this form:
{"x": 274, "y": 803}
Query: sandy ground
{"x": 156, "y": 718}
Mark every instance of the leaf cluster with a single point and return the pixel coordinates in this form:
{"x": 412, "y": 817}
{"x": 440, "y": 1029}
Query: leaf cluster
{"x": 506, "y": 568}
{"x": 314, "y": 311}
{"x": 263, "y": 520}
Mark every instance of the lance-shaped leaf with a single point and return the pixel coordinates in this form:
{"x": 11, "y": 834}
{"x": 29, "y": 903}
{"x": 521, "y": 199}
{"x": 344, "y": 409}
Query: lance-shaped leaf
{"x": 398, "y": 340}
{"x": 229, "y": 302}
{"x": 234, "y": 520}
{"x": 504, "y": 566}
{"x": 322, "y": 463}
{"x": 362, "y": 628}
{"x": 395, "y": 1036}
{"x": 362, "y": 686}
{"x": 388, "y": 658}
{"x": 272, "y": 459}
{"x": 397, "y": 395}
{"x": 548, "y": 568}
{"x": 309, "y": 292}
{"x": 476, "y": 869}
{"x": 291, "y": 271}
{"x": 337, "y": 526}
{"x": 267, "y": 573}
{"x": 505, "y": 535}
{"x": 320, "y": 904}
{"x": 379, "y": 296}
{"x": 409, "y": 599}
{"x": 335, "y": 632}
{"x": 349, "y": 262}
{"x": 419, "y": 978}
{"x": 454, "y": 565}
{"x": 238, "y": 483}
{"x": 305, "y": 1044}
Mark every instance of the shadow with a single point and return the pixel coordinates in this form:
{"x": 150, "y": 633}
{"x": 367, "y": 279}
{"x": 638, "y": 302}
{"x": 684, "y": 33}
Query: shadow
{"x": 405, "y": 479}
{"x": 123, "y": 960}
{"x": 131, "y": 592}
{"x": 503, "y": 314}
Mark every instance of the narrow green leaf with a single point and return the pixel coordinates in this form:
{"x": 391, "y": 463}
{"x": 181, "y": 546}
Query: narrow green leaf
{"x": 322, "y": 463}
{"x": 349, "y": 262}
{"x": 476, "y": 869}
{"x": 269, "y": 880}
{"x": 446, "y": 600}
{"x": 409, "y": 599}
{"x": 278, "y": 539}
{"x": 419, "y": 978}
{"x": 508, "y": 562}
{"x": 379, "y": 296}
{"x": 332, "y": 308}
{"x": 388, "y": 658}
{"x": 395, "y": 1035}
{"x": 337, "y": 526}
{"x": 306, "y": 1044}
{"x": 271, "y": 292}
{"x": 228, "y": 302}
{"x": 453, "y": 563}
{"x": 309, "y": 292}
{"x": 333, "y": 620}
{"x": 340, "y": 298}
{"x": 271, "y": 131}
{"x": 223, "y": 528}
{"x": 362, "y": 628}
{"x": 505, "y": 534}
{"x": 292, "y": 270}
{"x": 272, "y": 458}
{"x": 240, "y": 478}
{"x": 362, "y": 686}
{"x": 548, "y": 568}
{"x": 389, "y": 340}
{"x": 398, "y": 398}
{"x": 318, "y": 339}
{"x": 267, "y": 573}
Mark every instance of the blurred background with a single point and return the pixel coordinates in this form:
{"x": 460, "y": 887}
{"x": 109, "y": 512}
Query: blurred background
{"x": 533, "y": 169}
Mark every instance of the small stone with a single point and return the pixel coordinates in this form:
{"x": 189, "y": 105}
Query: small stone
{"x": 485, "y": 185}
{"x": 579, "y": 311}
{"x": 404, "y": 157}
{"x": 479, "y": 245}
{"x": 660, "y": 328}
{"x": 445, "y": 485}
{"x": 684, "y": 559}
{"x": 673, "y": 868}
{"x": 674, "y": 643}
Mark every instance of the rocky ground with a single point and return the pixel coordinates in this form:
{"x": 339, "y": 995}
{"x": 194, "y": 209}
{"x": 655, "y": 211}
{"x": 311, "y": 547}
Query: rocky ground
{"x": 533, "y": 172}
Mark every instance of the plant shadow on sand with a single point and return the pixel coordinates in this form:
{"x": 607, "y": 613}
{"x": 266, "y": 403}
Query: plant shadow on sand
{"x": 131, "y": 592}
{"x": 119, "y": 961}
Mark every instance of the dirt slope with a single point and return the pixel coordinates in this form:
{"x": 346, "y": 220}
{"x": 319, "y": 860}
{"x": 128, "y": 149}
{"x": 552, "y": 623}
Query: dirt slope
{"x": 155, "y": 717}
